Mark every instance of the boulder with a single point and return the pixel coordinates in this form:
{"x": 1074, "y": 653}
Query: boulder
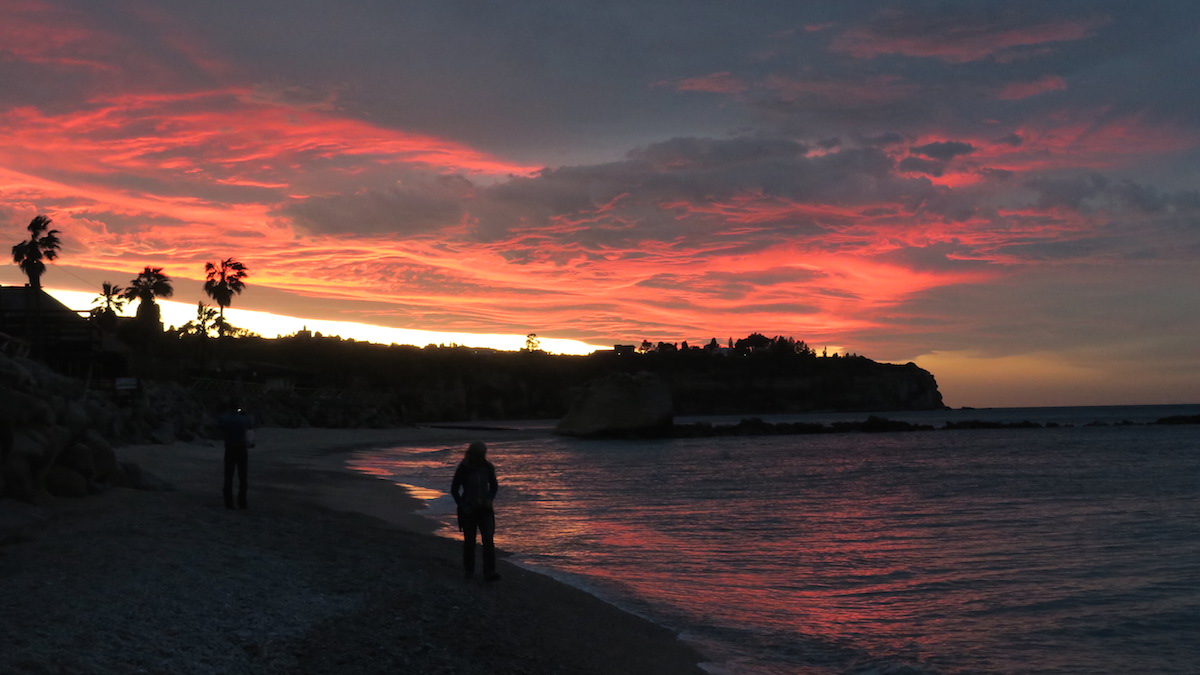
{"x": 140, "y": 479}
{"x": 19, "y": 481}
{"x": 78, "y": 457}
{"x": 620, "y": 405}
{"x": 64, "y": 482}
{"x": 75, "y": 417}
{"x": 104, "y": 458}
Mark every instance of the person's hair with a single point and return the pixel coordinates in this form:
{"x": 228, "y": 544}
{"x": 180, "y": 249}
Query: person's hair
{"x": 476, "y": 453}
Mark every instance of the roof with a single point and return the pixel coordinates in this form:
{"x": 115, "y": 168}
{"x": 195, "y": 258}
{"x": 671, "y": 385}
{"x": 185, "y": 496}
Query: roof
{"x": 20, "y": 298}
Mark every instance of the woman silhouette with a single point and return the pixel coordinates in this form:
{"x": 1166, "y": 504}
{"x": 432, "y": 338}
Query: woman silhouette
{"x": 473, "y": 488}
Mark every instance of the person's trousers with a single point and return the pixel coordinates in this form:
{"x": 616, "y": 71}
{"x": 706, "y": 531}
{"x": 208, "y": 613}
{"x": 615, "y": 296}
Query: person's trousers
{"x": 483, "y": 522}
{"x": 236, "y": 460}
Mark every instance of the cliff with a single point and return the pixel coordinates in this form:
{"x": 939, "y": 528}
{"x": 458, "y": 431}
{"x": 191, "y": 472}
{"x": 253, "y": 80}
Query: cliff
{"x": 620, "y": 405}
{"x": 338, "y": 383}
{"x": 844, "y": 384}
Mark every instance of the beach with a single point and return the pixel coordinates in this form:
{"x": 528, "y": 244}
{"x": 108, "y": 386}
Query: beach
{"x": 328, "y": 571}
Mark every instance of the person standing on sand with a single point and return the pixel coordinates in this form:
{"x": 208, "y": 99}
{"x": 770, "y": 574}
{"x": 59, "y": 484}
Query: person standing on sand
{"x": 238, "y": 429}
{"x": 473, "y": 488}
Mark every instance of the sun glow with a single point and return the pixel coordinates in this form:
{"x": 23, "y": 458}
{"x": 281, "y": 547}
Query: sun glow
{"x": 272, "y": 325}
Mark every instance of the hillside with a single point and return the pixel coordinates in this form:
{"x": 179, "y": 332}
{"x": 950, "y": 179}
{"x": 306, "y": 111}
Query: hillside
{"x": 333, "y": 382}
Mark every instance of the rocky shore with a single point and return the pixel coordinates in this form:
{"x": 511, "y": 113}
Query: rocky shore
{"x": 327, "y": 572}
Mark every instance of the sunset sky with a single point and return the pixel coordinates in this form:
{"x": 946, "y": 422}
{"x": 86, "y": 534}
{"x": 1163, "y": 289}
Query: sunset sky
{"x": 1005, "y": 193}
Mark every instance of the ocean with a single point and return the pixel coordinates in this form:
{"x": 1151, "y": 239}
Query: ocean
{"x": 1068, "y": 549}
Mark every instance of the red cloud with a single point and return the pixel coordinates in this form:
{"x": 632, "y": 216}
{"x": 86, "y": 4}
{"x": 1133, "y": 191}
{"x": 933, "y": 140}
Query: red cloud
{"x": 228, "y": 136}
{"x": 716, "y": 83}
{"x": 35, "y": 32}
{"x": 874, "y": 91}
{"x": 953, "y": 41}
{"x": 1019, "y": 90}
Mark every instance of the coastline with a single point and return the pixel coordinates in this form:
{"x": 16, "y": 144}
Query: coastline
{"x": 328, "y": 571}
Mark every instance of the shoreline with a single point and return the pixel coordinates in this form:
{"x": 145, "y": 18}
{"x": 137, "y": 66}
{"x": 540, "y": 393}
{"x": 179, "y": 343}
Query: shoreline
{"x": 328, "y": 571}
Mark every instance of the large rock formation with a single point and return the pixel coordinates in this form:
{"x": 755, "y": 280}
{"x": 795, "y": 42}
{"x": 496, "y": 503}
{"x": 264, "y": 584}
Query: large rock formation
{"x": 48, "y": 436}
{"x": 620, "y": 405}
{"x": 56, "y": 435}
{"x": 793, "y": 386}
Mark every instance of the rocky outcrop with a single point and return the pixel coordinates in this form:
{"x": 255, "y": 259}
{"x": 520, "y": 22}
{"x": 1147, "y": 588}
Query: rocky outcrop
{"x": 48, "y": 438}
{"x": 769, "y": 386}
{"x": 56, "y": 435}
{"x": 620, "y": 405}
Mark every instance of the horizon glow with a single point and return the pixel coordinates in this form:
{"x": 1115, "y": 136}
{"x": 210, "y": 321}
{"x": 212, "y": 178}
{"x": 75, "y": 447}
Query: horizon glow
{"x": 269, "y": 325}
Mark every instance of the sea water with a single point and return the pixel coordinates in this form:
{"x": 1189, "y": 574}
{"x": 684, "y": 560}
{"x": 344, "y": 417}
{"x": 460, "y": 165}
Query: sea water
{"x": 1069, "y": 549}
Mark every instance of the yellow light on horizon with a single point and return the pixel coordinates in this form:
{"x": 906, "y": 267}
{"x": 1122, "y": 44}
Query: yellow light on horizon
{"x": 272, "y": 325}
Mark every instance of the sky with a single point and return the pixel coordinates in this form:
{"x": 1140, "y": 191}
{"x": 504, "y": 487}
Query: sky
{"x": 1006, "y": 193}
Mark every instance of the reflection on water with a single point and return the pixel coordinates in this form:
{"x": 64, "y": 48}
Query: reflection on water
{"x": 1055, "y": 550}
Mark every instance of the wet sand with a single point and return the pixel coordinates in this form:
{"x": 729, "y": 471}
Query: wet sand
{"x": 328, "y": 571}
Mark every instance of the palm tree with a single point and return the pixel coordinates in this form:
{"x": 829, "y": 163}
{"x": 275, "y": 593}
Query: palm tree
{"x": 107, "y": 305}
{"x": 224, "y": 281}
{"x": 42, "y": 245}
{"x": 147, "y": 286}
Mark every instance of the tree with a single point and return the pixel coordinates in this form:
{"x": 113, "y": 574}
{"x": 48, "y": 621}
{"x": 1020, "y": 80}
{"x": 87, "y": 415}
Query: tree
{"x": 107, "y": 305}
{"x": 42, "y": 245}
{"x": 205, "y": 322}
{"x": 532, "y": 343}
{"x": 145, "y": 288}
{"x": 224, "y": 281}
{"x": 753, "y": 343}
{"x": 208, "y": 323}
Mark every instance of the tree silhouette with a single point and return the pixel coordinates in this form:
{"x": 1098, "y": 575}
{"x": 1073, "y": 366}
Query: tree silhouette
{"x": 107, "y": 305}
{"x": 205, "y": 323}
{"x": 145, "y": 288}
{"x": 532, "y": 343}
{"x": 42, "y": 245}
{"x": 224, "y": 281}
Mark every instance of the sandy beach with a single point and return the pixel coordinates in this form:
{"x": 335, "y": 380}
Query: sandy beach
{"x": 328, "y": 571}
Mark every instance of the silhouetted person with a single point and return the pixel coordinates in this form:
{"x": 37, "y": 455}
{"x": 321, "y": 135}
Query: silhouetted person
{"x": 473, "y": 488}
{"x": 236, "y": 427}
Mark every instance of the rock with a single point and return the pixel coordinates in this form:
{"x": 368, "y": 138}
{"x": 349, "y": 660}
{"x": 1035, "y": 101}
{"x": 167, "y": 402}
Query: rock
{"x": 119, "y": 477}
{"x": 164, "y": 433}
{"x": 140, "y": 479}
{"x": 24, "y": 408}
{"x": 620, "y": 405}
{"x": 64, "y": 482}
{"x": 19, "y": 481}
{"x": 75, "y": 417}
{"x": 104, "y": 458}
{"x": 78, "y": 457}
{"x": 15, "y": 374}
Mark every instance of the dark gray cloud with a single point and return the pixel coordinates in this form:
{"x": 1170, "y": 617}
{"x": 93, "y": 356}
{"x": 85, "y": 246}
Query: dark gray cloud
{"x": 1095, "y": 191}
{"x": 932, "y": 167}
{"x": 944, "y": 150}
{"x": 692, "y": 172}
{"x": 420, "y": 205}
